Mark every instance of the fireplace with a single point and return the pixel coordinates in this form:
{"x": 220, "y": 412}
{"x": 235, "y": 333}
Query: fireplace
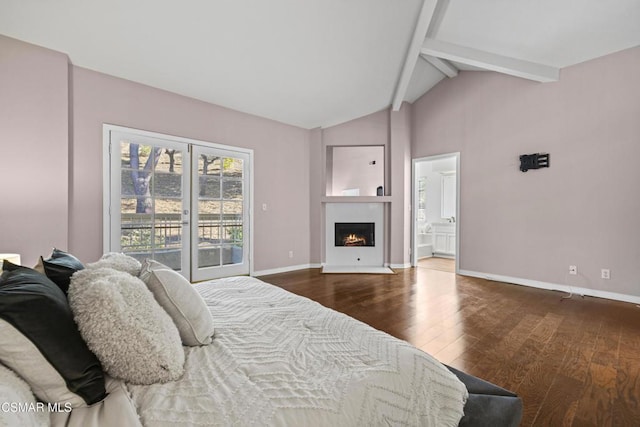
{"x": 354, "y": 237}
{"x": 355, "y": 234}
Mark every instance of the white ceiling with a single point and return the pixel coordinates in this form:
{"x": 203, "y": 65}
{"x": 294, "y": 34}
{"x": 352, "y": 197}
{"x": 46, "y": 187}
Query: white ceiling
{"x": 316, "y": 63}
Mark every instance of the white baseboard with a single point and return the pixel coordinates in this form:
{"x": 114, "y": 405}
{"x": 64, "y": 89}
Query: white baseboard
{"x": 553, "y": 286}
{"x": 284, "y": 269}
{"x": 406, "y": 265}
{"x": 362, "y": 270}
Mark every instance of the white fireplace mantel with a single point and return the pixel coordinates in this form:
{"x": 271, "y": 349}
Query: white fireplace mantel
{"x": 355, "y": 199}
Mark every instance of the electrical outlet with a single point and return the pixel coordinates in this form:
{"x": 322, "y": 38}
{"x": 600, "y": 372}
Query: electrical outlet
{"x": 573, "y": 269}
{"x": 605, "y": 273}
{"x": 290, "y": 254}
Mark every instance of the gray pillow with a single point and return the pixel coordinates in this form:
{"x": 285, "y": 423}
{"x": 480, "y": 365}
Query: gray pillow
{"x": 132, "y": 336}
{"x": 181, "y": 301}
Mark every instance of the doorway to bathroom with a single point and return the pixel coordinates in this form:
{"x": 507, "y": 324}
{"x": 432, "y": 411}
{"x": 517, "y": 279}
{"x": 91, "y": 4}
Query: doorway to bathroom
{"x": 436, "y": 211}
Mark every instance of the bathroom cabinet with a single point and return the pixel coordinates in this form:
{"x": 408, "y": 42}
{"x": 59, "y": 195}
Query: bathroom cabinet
{"x": 444, "y": 236}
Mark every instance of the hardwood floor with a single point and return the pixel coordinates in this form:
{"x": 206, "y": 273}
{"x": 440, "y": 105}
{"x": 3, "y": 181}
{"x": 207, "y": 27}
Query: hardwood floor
{"x": 572, "y": 361}
{"x": 436, "y": 263}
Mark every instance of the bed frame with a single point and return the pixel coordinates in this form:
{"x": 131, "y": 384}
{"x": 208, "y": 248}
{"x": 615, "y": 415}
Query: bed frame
{"x": 488, "y": 405}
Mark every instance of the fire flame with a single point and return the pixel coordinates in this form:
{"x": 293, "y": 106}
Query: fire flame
{"x": 354, "y": 239}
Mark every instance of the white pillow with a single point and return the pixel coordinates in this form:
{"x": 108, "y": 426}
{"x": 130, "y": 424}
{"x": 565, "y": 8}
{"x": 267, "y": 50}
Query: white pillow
{"x": 132, "y": 336}
{"x": 117, "y": 261}
{"x": 181, "y": 301}
{"x": 13, "y": 392}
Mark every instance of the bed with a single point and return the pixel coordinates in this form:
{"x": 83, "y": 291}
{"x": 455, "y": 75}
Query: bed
{"x": 283, "y": 360}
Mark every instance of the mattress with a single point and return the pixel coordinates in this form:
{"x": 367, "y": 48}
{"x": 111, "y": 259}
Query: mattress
{"x": 283, "y": 360}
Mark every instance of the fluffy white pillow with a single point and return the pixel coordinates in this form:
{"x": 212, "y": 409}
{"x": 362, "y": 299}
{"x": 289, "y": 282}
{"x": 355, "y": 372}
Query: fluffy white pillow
{"x": 132, "y": 336}
{"x": 14, "y": 391}
{"x": 117, "y": 261}
{"x": 181, "y": 301}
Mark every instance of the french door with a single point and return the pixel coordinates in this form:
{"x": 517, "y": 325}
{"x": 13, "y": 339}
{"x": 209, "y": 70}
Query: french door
{"x": 220, "y": 213}
{"x": 181, "y": 203}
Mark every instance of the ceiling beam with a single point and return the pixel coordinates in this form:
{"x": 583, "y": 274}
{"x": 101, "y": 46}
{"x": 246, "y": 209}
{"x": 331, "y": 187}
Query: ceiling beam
{"x": 444, "y": 66}
{"x": 490, "y": 61}
{"x": 419, "y": 34}
{"x": 437, "y": 17}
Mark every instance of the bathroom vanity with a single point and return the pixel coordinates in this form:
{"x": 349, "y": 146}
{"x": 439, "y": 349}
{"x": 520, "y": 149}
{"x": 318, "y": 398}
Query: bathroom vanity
{"x": 444, "y": 239}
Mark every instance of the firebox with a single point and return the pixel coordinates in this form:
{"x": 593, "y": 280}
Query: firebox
{"x": 355, "y": 234}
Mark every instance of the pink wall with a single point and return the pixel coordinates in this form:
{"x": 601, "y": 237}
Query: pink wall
{"x": 52, "y": 159}
{"x": 34, "y": 156}
{"x": 584, "y": 209}
{"x": 368, "y": 130}
{"x": 316, "y": 191}
{"x": 400, "y": 167}
{"x": 281, "y": 154}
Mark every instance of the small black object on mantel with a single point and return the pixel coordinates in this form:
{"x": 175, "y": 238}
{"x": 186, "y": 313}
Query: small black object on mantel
{"x": 379, "y": 191}
{"x": 534, "y": 161}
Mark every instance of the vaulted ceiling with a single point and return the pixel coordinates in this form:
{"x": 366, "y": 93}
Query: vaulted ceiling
{"x": 316, "y": 63}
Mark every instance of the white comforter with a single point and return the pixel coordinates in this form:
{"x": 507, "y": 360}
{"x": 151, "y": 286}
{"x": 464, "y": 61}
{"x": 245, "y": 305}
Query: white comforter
{"x": 278, "y": 359}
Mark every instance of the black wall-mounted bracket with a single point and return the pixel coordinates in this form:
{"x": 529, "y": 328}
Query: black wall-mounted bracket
{"x": 534, "y": 161}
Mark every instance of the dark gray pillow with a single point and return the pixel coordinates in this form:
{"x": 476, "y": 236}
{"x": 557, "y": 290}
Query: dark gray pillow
{"x": 40, "y": 341}
{"x": 60, "y": 266}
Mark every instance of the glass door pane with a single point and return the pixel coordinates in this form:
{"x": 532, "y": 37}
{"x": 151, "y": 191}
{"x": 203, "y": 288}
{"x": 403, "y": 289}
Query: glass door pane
{"x": 220, "y": 212}
{"x": 153, "y": 199}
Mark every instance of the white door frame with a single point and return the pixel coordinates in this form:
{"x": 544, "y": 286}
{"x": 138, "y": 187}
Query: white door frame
{"x": 414, "y": 206}
{"x": 107, "y": 129}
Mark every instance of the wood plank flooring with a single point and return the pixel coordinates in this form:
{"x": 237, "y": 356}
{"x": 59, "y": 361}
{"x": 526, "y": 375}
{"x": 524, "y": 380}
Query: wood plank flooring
{"x": 574, "y": 362}
{"x": 436, "y": 263}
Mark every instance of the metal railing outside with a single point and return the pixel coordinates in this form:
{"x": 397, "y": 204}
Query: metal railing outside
{"x": 152, "y": 232}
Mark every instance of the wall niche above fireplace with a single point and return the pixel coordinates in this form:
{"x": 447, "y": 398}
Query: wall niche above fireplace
{"x": 355, "y": 170}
